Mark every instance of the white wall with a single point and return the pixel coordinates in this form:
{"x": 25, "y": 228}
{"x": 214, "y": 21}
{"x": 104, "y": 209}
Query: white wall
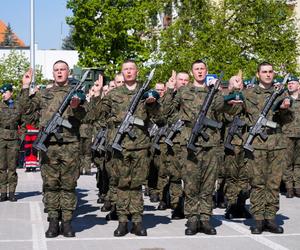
{"x": 46, "y": 58}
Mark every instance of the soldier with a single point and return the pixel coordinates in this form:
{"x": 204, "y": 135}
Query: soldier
{"x": 60, "y": 164}
{"x": 264, "y": 165}
{"x": 199, "y": 170}
{"x": 9, "y": 143}
{"x": 291, "y": 174}
{"x": 129, "y": 167}
{"x": 170, "y": 178}
{"x": 237, "y": 180}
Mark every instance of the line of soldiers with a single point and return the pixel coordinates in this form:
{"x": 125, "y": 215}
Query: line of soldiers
{"x": 143, "y": 130}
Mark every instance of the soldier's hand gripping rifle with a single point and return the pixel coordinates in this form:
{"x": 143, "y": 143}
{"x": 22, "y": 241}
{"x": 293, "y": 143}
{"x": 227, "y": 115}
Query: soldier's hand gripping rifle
{"x": 235, "y": 128}
{"x": 202, "y": 121}
{"x": 57, "y": 120}
{"x": 126, "y": 125}
{"x": 99, "y": 143}
{"x": 161, "y": 132}
{"x": 174, "y": 129}
{"x": 262, "y": 121}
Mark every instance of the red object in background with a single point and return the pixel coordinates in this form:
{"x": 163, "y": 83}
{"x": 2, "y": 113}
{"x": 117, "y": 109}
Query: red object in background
{"x": 31, "y": 155}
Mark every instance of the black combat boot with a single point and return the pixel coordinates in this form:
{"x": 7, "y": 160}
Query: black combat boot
{"x": 112, "y": 215}
{"x": 154, "y": 198}
{"x": 241, "y": 210}
{"x": 162, "y": 205}
{"x": 53, "y": 230}
{"x": 12, "y": 197}
{"x": 66, "y": 229}
{"x": 138, "y": 229}
{"x": 3, "y": 197}
{"x": 191, "y": 227}
{"x": 297, "y": 192}
{"x": 230, "y": 212}
{"x": 258, "y": 227}
{"x": 289, "y": 193}
{"x": 121, "y": 230}
{"x": 206, "y": 227}
{"x": 272, "y": 227}
{"x": 177, "y": 214}
{"x": 100, "y": 199}
{"x": 106, "y": 206}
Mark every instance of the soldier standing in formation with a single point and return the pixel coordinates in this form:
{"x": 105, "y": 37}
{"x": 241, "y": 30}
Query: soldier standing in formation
{"x": 60, "y": 164}
{"x": 10, "y": 118}
{"x": 291, "y": 174}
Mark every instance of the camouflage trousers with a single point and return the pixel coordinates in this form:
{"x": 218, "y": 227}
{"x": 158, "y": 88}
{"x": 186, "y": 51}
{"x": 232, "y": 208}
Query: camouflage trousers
{"x": 291, "y": 174}
{"x": 85, "y": 155}
{"x": 199, "y": 174}
{"x": 8, "y": 163}
{"x": 60, "y": 172}
{"x": 265, "y": 173}
{"x": 169, "y": 174}
{"x": 236, "y": 175}
{"x": 130, "y": 170}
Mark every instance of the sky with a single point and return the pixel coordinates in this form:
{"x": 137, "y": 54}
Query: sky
{"x": 50, "y": 21}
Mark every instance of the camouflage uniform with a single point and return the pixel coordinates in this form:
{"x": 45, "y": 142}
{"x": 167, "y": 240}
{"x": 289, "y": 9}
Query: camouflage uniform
{"x": 199, "y": 170}
{"x": 85, "y": 143}
{"x": 236, "y": 174}
{"x": 291, "y": 130}
{"x": 9, "y": 146}
{"x": 264, "y": 165}
{"x": 60, "y": 164}
{"x": 129, "y": 168}
{"x": 169, "y": 167}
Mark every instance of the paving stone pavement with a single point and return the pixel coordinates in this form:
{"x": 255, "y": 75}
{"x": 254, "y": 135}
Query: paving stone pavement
{"x": 23, "y": 225}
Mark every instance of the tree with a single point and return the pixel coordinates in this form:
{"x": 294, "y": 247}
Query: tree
{"x": 106, "y": 32}
{"x": 68, "y": 42}
{"x": 232, "y": 35}
{"x": 9, "y": 37}
{"x": 13, "y": 66}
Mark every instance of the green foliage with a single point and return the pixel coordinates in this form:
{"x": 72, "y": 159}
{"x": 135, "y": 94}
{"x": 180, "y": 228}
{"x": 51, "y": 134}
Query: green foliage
{"x": 68, "y": 42}
{"x": 106, "y": 32}
{"x": 231, "y": 35}
{"x": 12, "y": 68}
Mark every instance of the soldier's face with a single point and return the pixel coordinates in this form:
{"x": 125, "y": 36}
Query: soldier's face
{"x": 160, "y": 88}
{"x": 182, "y": 79}
{"x": 199, "y": 71}
{"x": 293, "y": 86}
{"x": 60, "y": 73}
{"x": 119, "y": 80}
{"x": 129, "y": 71}
{"x": 266, "y": 74}
{"x": 6, "y": 95}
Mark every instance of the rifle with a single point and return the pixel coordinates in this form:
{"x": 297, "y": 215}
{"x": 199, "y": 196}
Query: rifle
{"x": 175, "y": 128}
{"x": 262, "y": 121}
{"x": 202, "y": 121}
{"x": 57, "y": 120}
{"x": 129, "y": 119}
{"x": 162, "y": 131}
{"x": 234, "y": 129}
{"x": 100, "y": 141}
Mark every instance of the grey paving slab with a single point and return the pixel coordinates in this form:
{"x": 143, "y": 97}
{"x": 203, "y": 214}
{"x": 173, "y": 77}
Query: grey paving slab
{"x": 23, "y": 224}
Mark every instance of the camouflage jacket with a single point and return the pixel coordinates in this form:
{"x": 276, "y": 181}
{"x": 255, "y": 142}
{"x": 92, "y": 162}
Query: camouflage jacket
{"x": 290, "y": 119}
{"x": 47, "y": 102}
{"x": 10, "y": 118}
{"x": 112, "y": 111}
{"x": 255, "y": 99}
{"x": 185, "y": 105}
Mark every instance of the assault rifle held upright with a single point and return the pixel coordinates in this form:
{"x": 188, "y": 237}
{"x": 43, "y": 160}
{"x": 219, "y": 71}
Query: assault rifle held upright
{"x": 262, "y": 121}
{"x": 126, "y": 125}
{"x": 57, "y": 120}
{"x": 202, "y": 121}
